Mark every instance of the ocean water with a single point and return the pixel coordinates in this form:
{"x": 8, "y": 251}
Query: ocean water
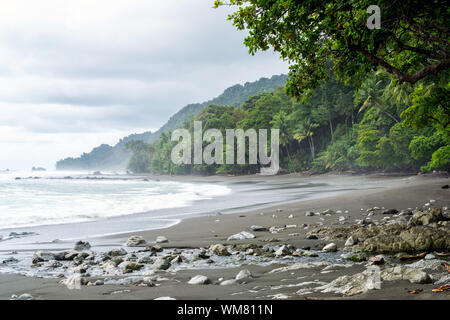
{"x": 53, "y": 200}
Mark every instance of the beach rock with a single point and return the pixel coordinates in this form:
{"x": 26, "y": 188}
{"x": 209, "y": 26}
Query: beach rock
{"x": 228, "y": 282}
{"x": 311, "y": 237}
{"x": 376, "y": 260}
{"x": 389, "y": 211}
{"x": 430, "y": 256}
{"x": 310, "y": 254}
{"x": 135, "y": 241}
{"x": 426, "y": 217}
{"x": 161, "y": 264}
{"x": 299, "y": 266}
{"x": 41, "y": 256}
{"x": 99, "y": 282}
{"x": 161, "y": 239}
{"x": 328, "y": 211}
{"x": 445, "y": 280}
{"x": 257, "y": 228}
{"x": 350, "y": 242}
{"x": 435, "y": 265}
{"x": 177, "y": 259}
{"x": 405, "y": 273}
{"x": 128, "y": 266}
{"x": 395, "y": 238}
{"x": 309, "y": 214}
{"x": 355, "y": 257}
{"x": 73, "y": 282}
{"x": 117, "y": 252}
{"x": 405, "y": 213}
{"x": 282, "y": 251}
{"x": 276, "y": 229}
{"x": 352, "y": 285}
{"x": 24, "y": 296}
{"x": 153, "y": 249}
{"x": 244, "y": 274}
{"x": 241, "y": 236}
{"x": 331, "y": 247}
{"x": 10, "y": 260}
{"x": 199, "y": 280}
{"x": 220, "y": 250}
{"x": 81, "y": 245}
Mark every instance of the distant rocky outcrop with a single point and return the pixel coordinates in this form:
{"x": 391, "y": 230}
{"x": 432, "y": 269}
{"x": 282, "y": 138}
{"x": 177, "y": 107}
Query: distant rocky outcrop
{"x": 38, "y": 169}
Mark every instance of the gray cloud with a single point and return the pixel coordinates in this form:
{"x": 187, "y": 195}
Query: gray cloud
{"x": 129, "y": 65}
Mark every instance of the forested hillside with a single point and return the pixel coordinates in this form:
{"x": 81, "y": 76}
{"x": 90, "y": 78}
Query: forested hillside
{"x": 106, "y": 157}
{"x": 338, "y": 128}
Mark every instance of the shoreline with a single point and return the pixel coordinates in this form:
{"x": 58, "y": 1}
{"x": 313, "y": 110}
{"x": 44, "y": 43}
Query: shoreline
{"x": 205, "y": 231}
{"x": 266, "y": 191}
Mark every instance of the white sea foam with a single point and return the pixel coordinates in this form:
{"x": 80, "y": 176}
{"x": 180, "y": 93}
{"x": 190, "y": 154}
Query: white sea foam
{"x": 33, "y": 202}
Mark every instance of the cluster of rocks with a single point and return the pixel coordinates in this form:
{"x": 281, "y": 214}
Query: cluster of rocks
{"x": 422, "y": 230}
{"x": 81, "y": 263}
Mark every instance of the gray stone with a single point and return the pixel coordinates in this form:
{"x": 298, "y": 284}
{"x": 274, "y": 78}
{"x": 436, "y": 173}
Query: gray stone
{"x": 199, "y": 280}
{"x": 40, "y": 256}
{"x": 241, "y": 236}
{"x": 220, "y": 250}
{"x": 135, "y": 241}
{"x": 161, "y": 264}
{"x": 331, "y": 247}
{"x": 244, "y": 274}
{"x": 81, "y": 245}
{"x": 350, "y": 242}
{"x": 228, "y": 282}
{"x": 258, "y": 228}
{"x": 161, "y": 239}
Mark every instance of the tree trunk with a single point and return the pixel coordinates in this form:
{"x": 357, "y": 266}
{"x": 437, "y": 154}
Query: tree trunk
{"x": 311, "y": 146}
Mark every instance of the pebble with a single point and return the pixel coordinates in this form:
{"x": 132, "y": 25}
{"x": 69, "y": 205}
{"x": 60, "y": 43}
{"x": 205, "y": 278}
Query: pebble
{"x": 228, "y": 282}
{"x": 258, "y": 228}
{"x": 161, "y": 239}
{"x": 199, "y": 280}
{"x": 350, "y": 242}
{"x": 81, "y": 245}
{"x": 241, "y": 236}
{"x": 331, "y": 247}
{"x": 161, "y": 264}
{"x": 24, "y": 296}
{"x": 135, "y": 241}
{"x": 244, "y": 274}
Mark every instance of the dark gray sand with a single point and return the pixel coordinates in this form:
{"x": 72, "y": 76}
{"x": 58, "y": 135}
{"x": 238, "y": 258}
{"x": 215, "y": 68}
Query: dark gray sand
{"x": 399, "y": 193}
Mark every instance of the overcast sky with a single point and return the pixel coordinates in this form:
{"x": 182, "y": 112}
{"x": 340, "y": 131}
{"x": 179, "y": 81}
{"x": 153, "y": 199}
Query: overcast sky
{"x": 78, "y": 73}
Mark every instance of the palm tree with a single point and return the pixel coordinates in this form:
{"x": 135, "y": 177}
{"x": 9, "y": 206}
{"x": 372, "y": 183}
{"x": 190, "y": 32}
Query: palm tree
{"x": 280, "y": 122}
{"x": 372, "y": 94}
{"x": 304, "y": 130}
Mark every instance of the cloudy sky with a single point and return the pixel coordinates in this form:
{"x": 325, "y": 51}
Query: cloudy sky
{"x": 78, "y": 73}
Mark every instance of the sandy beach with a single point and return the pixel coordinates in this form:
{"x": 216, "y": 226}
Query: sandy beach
{"x": 265, "y": 280}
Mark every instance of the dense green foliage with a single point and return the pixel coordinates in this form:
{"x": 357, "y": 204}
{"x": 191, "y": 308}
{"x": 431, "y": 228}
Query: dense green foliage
{"x": 339, "y": 128}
